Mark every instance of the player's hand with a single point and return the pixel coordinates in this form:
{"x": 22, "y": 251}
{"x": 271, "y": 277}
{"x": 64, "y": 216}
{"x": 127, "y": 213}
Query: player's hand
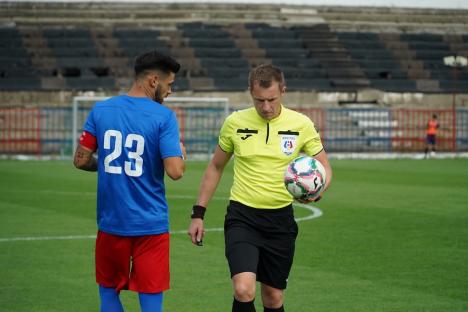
{"x": 184, "y": 152}
{"x": 196, "y": 231}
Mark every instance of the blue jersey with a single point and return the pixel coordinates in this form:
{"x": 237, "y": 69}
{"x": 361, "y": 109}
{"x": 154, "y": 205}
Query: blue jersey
{"x": 133, "y": 135}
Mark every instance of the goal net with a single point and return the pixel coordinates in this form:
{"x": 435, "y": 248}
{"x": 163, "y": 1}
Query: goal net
{"x": 200, "y": 120}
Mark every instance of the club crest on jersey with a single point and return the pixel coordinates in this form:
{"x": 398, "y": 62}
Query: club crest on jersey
{"x": 288, "y": 144}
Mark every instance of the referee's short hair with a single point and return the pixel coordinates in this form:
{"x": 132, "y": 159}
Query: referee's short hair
{"x": 264, "y": 75}
{"x": 155, "y": 60}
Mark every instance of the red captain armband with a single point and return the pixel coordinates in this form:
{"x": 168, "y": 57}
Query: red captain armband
{"x": 88, "y": 140}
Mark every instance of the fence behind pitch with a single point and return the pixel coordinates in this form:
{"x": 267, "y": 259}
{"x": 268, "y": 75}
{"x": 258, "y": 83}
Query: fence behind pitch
{"x": 50, "y": 131}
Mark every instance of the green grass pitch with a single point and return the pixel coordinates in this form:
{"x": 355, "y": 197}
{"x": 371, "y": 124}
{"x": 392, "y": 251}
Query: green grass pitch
{"x": 393, "y": 237}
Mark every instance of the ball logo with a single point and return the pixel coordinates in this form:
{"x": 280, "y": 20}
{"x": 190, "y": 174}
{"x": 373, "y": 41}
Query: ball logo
{"x": 288, "y": 144}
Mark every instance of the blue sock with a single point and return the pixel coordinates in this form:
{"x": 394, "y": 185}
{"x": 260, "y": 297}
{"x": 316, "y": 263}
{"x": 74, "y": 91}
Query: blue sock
{"x": 110, "y": 301}
{"x": 151, "y": 302}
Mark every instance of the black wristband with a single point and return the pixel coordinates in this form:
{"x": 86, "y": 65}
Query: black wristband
{"x": 198, "y": 212}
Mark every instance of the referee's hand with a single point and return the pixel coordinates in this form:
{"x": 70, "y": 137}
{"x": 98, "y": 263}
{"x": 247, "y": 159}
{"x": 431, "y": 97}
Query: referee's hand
{"x": 309, "y": 200}
{"x": 196, "y": 231}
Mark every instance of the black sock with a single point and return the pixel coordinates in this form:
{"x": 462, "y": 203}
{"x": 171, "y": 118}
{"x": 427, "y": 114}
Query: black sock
{"x": 238, "y": 306}
{"x": 273, "y": 310}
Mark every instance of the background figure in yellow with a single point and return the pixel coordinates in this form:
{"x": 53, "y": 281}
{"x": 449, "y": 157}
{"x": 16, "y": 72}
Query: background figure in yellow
{"x": 431, "y": 132}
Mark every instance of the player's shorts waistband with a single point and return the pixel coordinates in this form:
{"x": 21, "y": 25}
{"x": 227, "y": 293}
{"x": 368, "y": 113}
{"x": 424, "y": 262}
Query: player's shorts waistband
{"x": 272, "y": 221}
{"x": 279, "y": 211}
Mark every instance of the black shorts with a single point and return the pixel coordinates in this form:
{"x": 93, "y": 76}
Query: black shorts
{"x": 261, "y": 241}
{"x": 431, "y": 139}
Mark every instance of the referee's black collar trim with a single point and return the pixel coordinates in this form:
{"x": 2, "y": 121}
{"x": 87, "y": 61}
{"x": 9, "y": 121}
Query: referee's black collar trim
{"x": 289, "y": 132}
{"x": 246, "y": 131}
{"x": 319, "y": 152}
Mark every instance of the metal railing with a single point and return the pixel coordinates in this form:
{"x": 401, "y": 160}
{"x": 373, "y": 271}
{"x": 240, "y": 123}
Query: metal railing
{"x": 49, "y": 130}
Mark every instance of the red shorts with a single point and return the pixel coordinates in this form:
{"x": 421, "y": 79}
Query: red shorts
{"x": 138, "y": 263}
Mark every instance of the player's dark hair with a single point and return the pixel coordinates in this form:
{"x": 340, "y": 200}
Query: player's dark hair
{"x": 264, "y": 75}
{"x": 155, "y": 60}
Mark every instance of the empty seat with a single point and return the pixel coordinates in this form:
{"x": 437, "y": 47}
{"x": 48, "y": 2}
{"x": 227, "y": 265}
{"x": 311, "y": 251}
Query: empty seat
{"x": 304, "y": 73}
{"x": 226, "y": 72}
{"x": 229, "y": 62}
{"x": 204, "y": 33}
{"x": 422, "y": 37}
{"x": 460, "y": 86}
{"x": 238, "y": 84}
{"x": 292, "y": 53}
{"x": 83, "y": 61}
{"x": 16, "y": 70}
{"x": 180, "y": 84}
{"x": 19, "y": 72}
{"x": 66, "y": 33}
{"x": 394, "y": 85}
{"x": 70, "y": 42}
{"x": 85, "y": 84}
{"x": 20, "y": 84}
{"x": 136, "y": 33}
{"x": 280, "y": 43}
{"x": 217, "y": 53}
{"x": 221, "y": 43}
{"x": 385, "y": 73}
{"x": 308, "y": 84}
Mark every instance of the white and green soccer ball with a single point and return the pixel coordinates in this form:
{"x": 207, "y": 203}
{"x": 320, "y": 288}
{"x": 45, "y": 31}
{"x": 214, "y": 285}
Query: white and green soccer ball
{"x": 304, "y": 178}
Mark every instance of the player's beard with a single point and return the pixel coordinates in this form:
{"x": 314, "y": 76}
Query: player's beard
{"x": 158, "y": 97}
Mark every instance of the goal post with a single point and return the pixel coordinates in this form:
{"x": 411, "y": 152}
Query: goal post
{"x": 200, "y": 119}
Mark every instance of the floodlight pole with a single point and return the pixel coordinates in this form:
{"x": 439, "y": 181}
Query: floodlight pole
{"x": 456, "y": 62}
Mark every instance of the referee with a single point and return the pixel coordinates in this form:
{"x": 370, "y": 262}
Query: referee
{"x": 259, "y": 228}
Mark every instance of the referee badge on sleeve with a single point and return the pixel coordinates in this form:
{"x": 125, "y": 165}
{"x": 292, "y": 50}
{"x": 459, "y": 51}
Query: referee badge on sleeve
{"x": 288, "y": 144}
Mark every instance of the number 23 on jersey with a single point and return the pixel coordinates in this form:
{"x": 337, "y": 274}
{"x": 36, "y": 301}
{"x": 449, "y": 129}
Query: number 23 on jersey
{"x": 132, "y": 168}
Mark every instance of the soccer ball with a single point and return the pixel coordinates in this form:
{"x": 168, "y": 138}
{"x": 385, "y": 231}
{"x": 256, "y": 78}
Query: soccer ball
{"x": 304, "y": 178}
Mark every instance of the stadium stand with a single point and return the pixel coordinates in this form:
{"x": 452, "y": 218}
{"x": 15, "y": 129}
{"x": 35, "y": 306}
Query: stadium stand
{"x": 376, "y": 62}
{"x": 16, "y": 72}
{"x": 66, "y": 46}
{"x": 332, "y": 57}
{"x": 77, "y": 59}
{"x": 219, "y": 57}
{"x": 285, "y": 48}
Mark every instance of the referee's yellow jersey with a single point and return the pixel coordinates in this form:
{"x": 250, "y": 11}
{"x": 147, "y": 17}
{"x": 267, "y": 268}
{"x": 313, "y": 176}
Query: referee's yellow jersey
{"x": 262, "y": 150}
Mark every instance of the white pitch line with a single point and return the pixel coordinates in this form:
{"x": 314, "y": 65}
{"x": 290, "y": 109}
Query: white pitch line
{"x": 42, "y": 238}
{"x": 315, "y": 213}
